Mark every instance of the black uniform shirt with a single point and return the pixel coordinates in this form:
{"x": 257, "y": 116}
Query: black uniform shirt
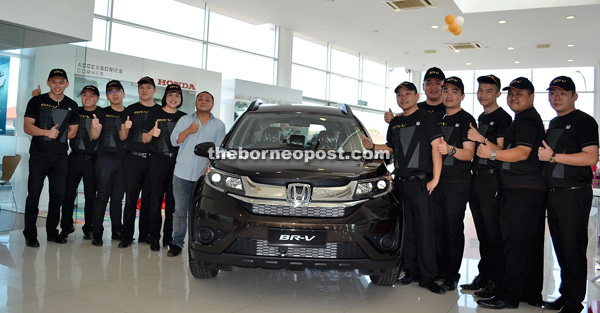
{"x": 138, "y": 113}
{"x": 48, "y": 113}
{"x": 491, "y": 126}
{"x": 438, "y": 110}
{"x": 570, "y": 134}
{"x": 109, "y": 144}
{"x": 83, "y": 142}
{"x": 526, "y": 130}
{"x": 410, "y": 137}
{"x": 166, "y": 123}
{"x": 455, "y": 128}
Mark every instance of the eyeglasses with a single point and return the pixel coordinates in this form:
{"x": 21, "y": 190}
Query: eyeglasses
{"x": 114, "y": 91}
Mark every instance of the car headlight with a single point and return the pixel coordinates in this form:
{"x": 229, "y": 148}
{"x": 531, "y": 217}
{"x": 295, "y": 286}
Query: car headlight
{"x": 373, "y": 188}
{"x": 223, "y": 181}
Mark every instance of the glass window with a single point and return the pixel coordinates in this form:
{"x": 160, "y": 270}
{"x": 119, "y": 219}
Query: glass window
{"x": 343, "y": 89}
{"x": 582, "y": 77}
{"x": 98, "y": 36}
{"x": 237, "y": 34}
{"x": 344, "y": 64}
{"x": 373, "y": 72}
{"x": 312, "y": 82}
{"x": 396, "y": 75}
{"x": 374, "y": 124}
{"x": 236, "y": 64}
{"x": 374, "y": 95}
{"x": 150, "y": 45}
{"x": 101, "y": 7}
{"x": 168, "y": 15}
{"x": 542, "y": 105}
{"x": 308, "y": 53}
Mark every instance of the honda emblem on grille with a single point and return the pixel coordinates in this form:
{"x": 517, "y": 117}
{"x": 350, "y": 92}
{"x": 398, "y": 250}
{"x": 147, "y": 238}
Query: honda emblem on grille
{"x": 298, "y": 194}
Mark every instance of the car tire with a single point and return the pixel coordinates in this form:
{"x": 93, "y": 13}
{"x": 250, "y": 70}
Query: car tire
{"x": 198, "y": 271}
{"x": 386, "y": 280}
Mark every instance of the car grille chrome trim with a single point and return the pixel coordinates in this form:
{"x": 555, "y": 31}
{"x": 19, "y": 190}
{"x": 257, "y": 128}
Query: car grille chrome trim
{"x": 261, "y": 247}
{"x": 303, "y": 211}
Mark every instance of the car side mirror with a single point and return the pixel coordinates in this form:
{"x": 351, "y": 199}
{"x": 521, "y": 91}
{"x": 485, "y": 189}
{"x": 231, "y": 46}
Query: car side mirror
{"x": 205, "y": 149}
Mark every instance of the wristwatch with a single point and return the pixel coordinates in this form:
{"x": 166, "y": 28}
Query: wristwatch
{"x": 553, "y": 158}
{"x": 452, "y": 151}
{"x": 493, "y": 155}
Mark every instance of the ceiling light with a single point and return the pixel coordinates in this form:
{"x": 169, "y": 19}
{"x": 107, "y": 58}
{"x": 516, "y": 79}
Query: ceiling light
{"x": 435, "y": 26}
{"x": 570, "y": 17}
{"x": 517, "y": 62}
{"x": 511, "y": 48}
{"x": 570, "y": 45}
{"x": 501, "y": 22}
{"x": 468, "y": 63}
{"x": 569, "y": 60}
{"x": 457, "y": 51}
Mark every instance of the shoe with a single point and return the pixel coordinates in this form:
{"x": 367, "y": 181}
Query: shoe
{"x": 490, "y": 290}
{"x": 538, "y": 303}
{"x": 65, "y": 232}
{"x": 554, "y": 305}
{"x": 125, "y": 243}
{"x": 439, "y": 277}
{"x": 449, "y": 285}
{"x": 97, "y": 241}
{"x": 117, "y": 236}
{"x": 32, "y": 242}
{"x": 495, "y": 303}
{"x": 566, "y": 309}
{"x": 167, "y": 243}
{"x": 433, "y": 287}
{"x": 145, "y": 239}
{"x": 174, "y": 250}
{"x": 57, "y": 239}
{"x": 87, "y": 235}
{"x": 477, "y": 284}
{"x": 406, "y": 279}
{"x": 154, "y": 245}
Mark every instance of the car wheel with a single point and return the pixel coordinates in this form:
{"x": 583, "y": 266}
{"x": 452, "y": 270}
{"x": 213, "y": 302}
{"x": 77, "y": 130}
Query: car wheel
{"x": 386, "y": 280}
{"x": 198, "y": 271}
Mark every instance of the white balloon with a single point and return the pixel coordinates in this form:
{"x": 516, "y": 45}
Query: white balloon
{"x": 445, "y": 29}
{"x": 459, "y": 20}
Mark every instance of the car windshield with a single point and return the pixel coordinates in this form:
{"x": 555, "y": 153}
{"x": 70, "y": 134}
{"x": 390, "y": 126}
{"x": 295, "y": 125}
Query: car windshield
{"x": 297, "y": 130}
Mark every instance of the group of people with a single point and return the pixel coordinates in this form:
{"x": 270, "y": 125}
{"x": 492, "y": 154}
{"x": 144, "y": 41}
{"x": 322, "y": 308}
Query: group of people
{"x": 509, "y": 171}
{"x": 145, "y": 148}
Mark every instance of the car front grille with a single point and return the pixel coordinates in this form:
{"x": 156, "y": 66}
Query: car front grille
{"x": 332, "y": 250}
{"x": 285, "y": 210}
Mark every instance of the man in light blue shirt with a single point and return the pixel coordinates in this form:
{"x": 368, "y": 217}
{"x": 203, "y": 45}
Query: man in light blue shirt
{"x": 191, "y": 130}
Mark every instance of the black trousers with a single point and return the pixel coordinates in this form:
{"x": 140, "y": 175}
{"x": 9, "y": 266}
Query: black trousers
{"x": 450, "y": 204}
{"x": 568, "y": 216}
{"x": 484, "y": 203}
{"x": 110, "y": 185}
{"x": 40, "y": 167}
{"x": 419, "y": 240}
{"x": 135, "y": 170}
{"x": 80, "y": 166}
{"x": 161, "y": 186}
{"x": 522, "y": 227}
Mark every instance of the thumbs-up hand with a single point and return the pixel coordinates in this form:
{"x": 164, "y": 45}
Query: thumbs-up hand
{"x": 545, "y": 152}
{"x": 53, "y": 132}
{"x": 193, "y": 128}
{"x": 443, "y": 147}
{"x": 366, "y": 142}
{"x": 155, "y": 131}
{"x": 128, "y": 123}
{"x": 388, "y": 116}
{"x": 474, "y": 135}
{"x": 96, "y": 122}
{"x": 36, "y": 92}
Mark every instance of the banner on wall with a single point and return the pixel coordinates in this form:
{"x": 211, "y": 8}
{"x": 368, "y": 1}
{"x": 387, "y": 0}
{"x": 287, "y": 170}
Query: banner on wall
{"x": 4, "y": 70}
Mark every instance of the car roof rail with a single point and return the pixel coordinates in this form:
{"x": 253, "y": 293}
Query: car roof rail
{"x": 254, "y": 105}
{"x": 344, "y": 107}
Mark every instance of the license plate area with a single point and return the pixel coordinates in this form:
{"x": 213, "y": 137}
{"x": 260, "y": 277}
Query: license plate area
{"x": 297, "y": 238}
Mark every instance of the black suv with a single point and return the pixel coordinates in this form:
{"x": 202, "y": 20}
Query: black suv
{"x": 261, "y": 211}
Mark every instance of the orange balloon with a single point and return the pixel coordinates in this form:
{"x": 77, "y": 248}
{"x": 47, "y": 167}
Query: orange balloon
{"x": 453, "y": 27}
{"x": 449, "y": 19}
{"x": 458, "y": 31}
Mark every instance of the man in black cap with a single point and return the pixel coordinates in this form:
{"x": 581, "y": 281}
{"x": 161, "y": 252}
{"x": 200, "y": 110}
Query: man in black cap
{"x": 135, "y": 163}
{"x": 452, "y": 193}
{"x": 432, "y": 86}
{"x": 522, "y": 201}
{"x": 50, "y": 118}
{"x": 570, "y": 148}
{"x": 413, "y": 138}
{"x": 484, "y": 200}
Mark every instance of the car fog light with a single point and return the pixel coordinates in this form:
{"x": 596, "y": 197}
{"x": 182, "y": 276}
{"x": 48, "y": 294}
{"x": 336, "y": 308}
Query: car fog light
{"x": 205, "y": 235}
{"x": 381, "y": 184}
{"x": 387, "y": 242}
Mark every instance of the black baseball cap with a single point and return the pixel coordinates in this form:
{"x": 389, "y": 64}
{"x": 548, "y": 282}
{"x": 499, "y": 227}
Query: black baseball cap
{"x": 434, "y": 73}
{"x": 407, "y": 85}
{"x": 58, "y": 72}
{"x": 490, "y": 79}
{"x": 173, "y": 87}
{"x": 146, "y": 80}
{"x": 114, "y": 84}
{"x": 520, "y": 83}
{"x": 456, "y": 82}
{"x": 91, "y": 88}
{"x": 563, "y": 82}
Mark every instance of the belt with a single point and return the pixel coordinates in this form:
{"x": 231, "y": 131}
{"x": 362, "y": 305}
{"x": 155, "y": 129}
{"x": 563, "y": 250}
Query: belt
{"x": 555, "y": 189}
{"x": 144, "y": 155}
{"x": 485, "y": 172}
{"x": 167, "y": 154}
{"x": 415, "y": 177}
{"x": 85, "y": 156}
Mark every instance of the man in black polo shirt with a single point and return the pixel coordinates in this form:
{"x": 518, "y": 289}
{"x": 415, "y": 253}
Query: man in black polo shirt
{"x": 413, "y": 138}
{"x": 452, "y": 193}
{"x": 522, "y": 201}
{"x": 570, "y": 148}
{"x": 50, "y": 119}
{"x": 432, "y": 86}
{"x": 135, "y": 163}
{"x": 484, "y": 200}
{"x": 82, "y": 160}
